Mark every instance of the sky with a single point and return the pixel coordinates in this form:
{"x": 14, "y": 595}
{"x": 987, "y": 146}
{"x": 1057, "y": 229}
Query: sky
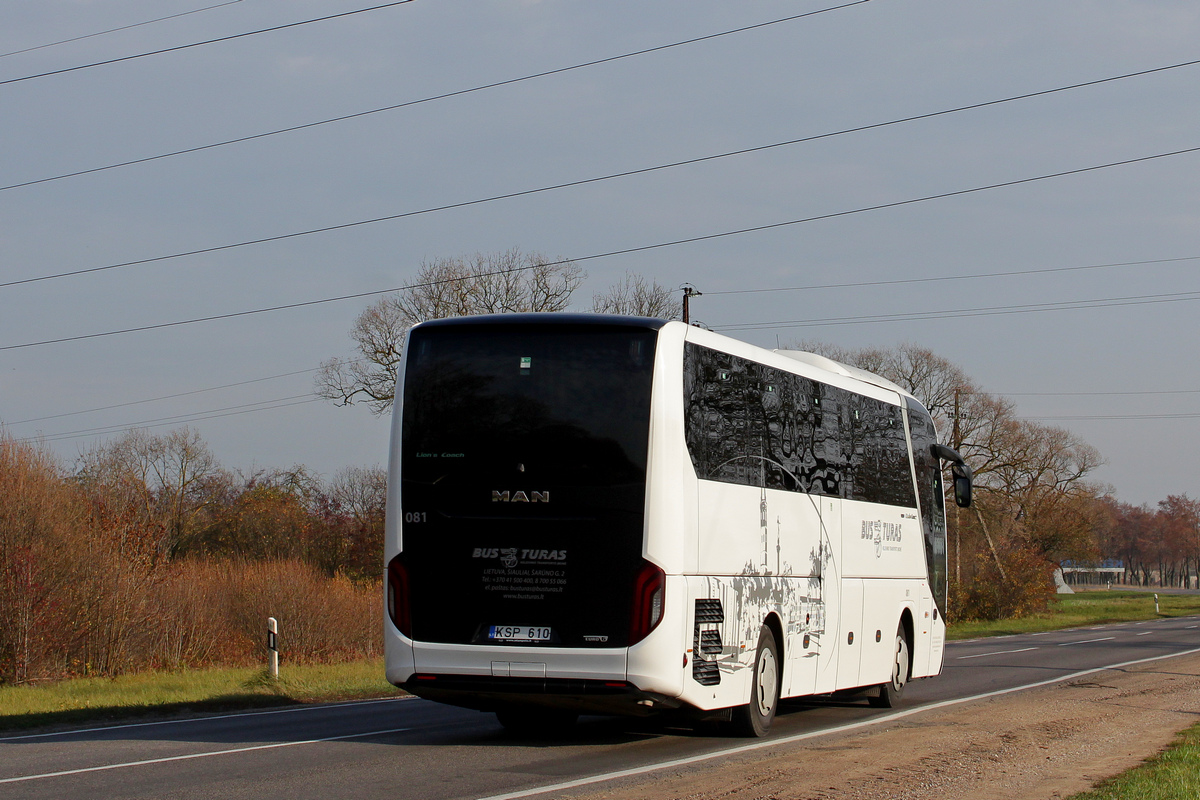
{"x": 1075, "y": 295}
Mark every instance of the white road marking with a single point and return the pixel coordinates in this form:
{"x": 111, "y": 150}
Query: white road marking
{"x": 1144, "y": 633}
{"x": 1087, "y": 641}
{"x": 188, "y": 756}
{"x": 681, "y": 762}
{"x": 289, "y": 710}
{"x": 997, "y": 653}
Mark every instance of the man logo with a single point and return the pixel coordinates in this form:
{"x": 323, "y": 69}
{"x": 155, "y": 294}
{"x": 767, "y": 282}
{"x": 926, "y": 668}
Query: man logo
{"x": 520, "y": 497}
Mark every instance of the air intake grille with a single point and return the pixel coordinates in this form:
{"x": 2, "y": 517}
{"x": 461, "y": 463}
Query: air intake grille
{"x": 707, "y": 642}
{"x": 706, "y": 673}
{"x": 708, "y": 609}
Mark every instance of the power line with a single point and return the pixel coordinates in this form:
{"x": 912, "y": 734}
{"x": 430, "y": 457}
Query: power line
{"x": 975, "y": 276}
{"x": 1097, "y": 394}
{"x": 163, "y": 397}
{"x": 201, "y": 44}
{"x": 304, "y": 126}
{"x": 245, "y": 408}
{"x": 948, "y": 277}
{"x": 611, "y": 253}
{"x": 115, "y": 30}
{"x": 393, "y": 217}
{"x": 1069, "y": 305}
{"x": 445, "y": 96}
{"x": 1117, "y": 417}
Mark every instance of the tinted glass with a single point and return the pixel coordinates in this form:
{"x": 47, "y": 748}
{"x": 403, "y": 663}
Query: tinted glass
{"x": 760, "y": 426}
{"x": 523, "y": 478}
{"x": 933, "y": 509}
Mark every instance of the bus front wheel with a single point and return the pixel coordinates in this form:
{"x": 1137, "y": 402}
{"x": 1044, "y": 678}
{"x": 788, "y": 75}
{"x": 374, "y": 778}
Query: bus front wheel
{"x": 891, "y": 692}
{"x": 754, "y": 719}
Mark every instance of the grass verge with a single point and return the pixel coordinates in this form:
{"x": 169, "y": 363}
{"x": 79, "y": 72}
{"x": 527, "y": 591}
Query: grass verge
{"x": 169, "y": 693}
{"x": 1174, "y": 774}
{"x": 1082, "y": 609}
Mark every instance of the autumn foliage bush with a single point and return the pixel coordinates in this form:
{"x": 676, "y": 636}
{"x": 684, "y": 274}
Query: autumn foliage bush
{"x": 1025, "y": 586}
{"x": 86, "y": 587}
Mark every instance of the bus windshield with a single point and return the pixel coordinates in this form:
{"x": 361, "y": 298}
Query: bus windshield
{"x": 523, "y": 464}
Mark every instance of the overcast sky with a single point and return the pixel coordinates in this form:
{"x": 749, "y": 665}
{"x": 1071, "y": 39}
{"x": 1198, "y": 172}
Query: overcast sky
{"x": 1099, "y": 370}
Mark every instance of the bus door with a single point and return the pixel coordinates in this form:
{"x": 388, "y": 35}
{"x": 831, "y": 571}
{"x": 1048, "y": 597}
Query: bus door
{"x": 849, "y": 642}
{"x": 827, "y": 614}
{"x": 923, "y": 635}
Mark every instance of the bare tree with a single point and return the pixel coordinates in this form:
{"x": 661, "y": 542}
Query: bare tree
{"x": 1034, "y": 504}
{"x": 171, "y": 477}
{"x": 360, "y": 492}
{"x": 636, "y": 297}
{"x": 498, "y": 283}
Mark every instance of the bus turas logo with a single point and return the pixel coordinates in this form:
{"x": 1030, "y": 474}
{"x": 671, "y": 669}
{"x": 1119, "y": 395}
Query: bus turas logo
{"x": 886, "y": 536}
{"x": 512, "y": 556}
{"x": 520, "y": 497}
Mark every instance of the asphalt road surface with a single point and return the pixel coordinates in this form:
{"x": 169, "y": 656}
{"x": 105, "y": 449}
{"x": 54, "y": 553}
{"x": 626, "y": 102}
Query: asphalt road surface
{"x": 410, "y": 748}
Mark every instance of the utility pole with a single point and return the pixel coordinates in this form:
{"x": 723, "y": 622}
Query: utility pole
{"x": 956, "y": 438}
{"x": 689, "y": 292}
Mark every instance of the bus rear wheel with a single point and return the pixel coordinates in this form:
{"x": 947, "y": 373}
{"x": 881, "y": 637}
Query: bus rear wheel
{"x": 535, "y": 721}
{"x": 754, "y": 719}
{"x": 891, "y": 692}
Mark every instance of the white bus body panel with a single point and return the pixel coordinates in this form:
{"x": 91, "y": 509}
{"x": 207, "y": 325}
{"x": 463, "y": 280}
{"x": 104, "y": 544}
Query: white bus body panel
{"x": 819, "y": 566}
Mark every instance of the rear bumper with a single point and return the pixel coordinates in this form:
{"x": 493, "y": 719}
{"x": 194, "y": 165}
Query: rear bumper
{"x": 489, "y": 693}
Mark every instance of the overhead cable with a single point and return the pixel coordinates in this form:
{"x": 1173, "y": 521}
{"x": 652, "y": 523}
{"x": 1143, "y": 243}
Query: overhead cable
{"x": 392, "y": 217}
{"x": 460, "y": 92}
{"x": 163, "y": 397}
{"x": 611, "y": 253}
{"x": 938, "y": 278}
{"x": 245, "y": 408}
{"x": 201, "y": 44}
{"x": 1028, "y": 308}
{"x": 115, "y": 30}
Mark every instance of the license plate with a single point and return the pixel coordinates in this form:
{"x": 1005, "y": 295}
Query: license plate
{"x": 518, "y": 633}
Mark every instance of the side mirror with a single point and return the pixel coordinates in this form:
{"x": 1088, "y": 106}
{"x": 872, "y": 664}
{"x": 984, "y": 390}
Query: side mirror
{"x": 962, "y": 485}
{"x": 959, "y": 469}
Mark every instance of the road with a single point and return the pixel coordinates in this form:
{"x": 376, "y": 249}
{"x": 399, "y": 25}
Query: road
{"x": 410, "y": 748}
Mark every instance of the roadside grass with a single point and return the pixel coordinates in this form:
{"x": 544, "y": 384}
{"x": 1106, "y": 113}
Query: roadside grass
{"x": 1083, "y": 609}
{"x": 205, "y": 690}
{"x": 186, "y": 692}
{"x": 1172, "y": 775}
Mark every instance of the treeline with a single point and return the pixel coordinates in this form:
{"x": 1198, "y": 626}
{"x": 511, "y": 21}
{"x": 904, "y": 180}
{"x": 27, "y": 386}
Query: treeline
{"x": 1158, "y": 546}
{"x": 1035, "y": 505}
{"x": 146, "y": 553}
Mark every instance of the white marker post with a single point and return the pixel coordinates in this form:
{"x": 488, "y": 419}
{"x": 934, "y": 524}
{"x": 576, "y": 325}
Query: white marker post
{"x": 1156, "y": 602}
{"x": 273, "y": 648}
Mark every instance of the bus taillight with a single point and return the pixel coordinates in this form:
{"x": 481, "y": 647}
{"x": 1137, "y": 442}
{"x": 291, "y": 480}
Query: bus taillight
{"x": 397, "y": 597}
{"x": 649, "y": 595}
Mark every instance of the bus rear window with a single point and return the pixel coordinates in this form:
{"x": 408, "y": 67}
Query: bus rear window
{"x": 528, "y": 398}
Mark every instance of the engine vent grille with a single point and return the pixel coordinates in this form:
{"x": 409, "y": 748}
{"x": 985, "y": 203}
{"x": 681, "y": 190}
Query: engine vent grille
{"x": 707, "y": 641}
{"x": 706, "y": 673}
{"x": 708, "y": 610}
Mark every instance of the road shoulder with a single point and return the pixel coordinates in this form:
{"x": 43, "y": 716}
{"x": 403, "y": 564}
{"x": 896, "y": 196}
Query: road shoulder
{"x": 1049, "y": 742}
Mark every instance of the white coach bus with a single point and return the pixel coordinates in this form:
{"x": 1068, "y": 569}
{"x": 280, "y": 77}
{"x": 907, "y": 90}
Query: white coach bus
{"x": 593, "y": 514}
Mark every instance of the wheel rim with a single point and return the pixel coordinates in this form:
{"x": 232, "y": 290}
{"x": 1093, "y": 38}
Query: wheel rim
{"x": 768, "y": 679}
{"x": 900, "y": 665}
